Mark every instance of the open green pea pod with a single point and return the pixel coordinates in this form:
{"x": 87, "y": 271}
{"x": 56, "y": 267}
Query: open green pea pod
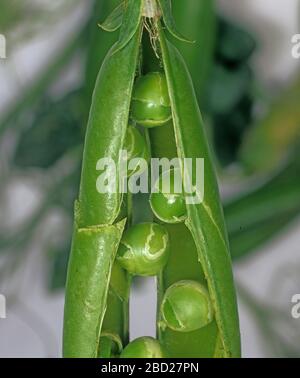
{"x": 197, "y": 18}
{"x": 191, "y": 256}
{"x": 99, "y": 42}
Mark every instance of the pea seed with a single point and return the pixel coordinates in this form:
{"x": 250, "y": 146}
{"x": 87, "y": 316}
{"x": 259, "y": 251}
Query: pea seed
{"x": 186, "y": 306}
{"x": 144, "y": 249}
{"x": 150, "y": 101}
{"x": 143, "y": 347}
{"x": 168, "y": 205}
{"x": 136, "y": 147}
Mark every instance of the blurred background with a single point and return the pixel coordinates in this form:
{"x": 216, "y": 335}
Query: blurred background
{"x": 248, "y": 86}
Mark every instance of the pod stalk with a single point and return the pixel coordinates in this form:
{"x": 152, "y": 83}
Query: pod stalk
{"x": 151, "y": 9}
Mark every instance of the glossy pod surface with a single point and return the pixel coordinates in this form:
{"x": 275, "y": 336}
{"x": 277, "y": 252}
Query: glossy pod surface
{"x": 197, "y": 19}
{"x": 106, "y": 133}
{"x": 205, "y": 220}
{"x": 186, "y": 247}
{"x": 86, "y": 299}
{"x": 90, "y": 294}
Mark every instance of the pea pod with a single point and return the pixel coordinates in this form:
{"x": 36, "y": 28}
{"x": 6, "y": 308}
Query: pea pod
{"x": 99, "y": 44}
{"x": 193, "y": 255}
{"x": 96, "y": 232}
{"x": 197, "y": 19}
{"x": 205, "y": 221}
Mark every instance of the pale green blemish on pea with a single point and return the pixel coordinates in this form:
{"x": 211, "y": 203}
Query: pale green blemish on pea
{"x": 144, "y": 347}
{"x": 169, "y": 207}
{"x": 186, "y": 306}
{"x": 136, "y": 147}
{"x": 144, "y": 249}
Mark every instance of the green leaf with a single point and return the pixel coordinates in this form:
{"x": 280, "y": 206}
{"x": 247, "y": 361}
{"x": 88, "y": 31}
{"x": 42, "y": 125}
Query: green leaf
{"x": 169, "y": 21}
{"x": 114, "y": 21}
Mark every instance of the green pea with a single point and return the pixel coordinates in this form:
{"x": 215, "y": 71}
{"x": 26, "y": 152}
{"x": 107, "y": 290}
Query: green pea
{"x": 186, "y": 306}
{"x": 136, "y": 147}
{"x": 168, "y": 204}
{"x": 144, "y": 249}
{"x": 150, "y": 105}
{"x": 143, "y": 347}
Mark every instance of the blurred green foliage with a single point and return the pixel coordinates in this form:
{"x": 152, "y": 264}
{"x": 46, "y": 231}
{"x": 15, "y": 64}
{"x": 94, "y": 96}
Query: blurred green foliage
{"x": 224, "y": 85}
{"x": 58, "y": 262}
{"x": 229, "y": 96}
{"x": 236, "y": 45}
{"x": 56, "y": 127}
{"x": 259, "y": 214}
{"x": 276, "y": 135}
{"x": 13, "y": 12}
{"x": 227, "y": 88}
